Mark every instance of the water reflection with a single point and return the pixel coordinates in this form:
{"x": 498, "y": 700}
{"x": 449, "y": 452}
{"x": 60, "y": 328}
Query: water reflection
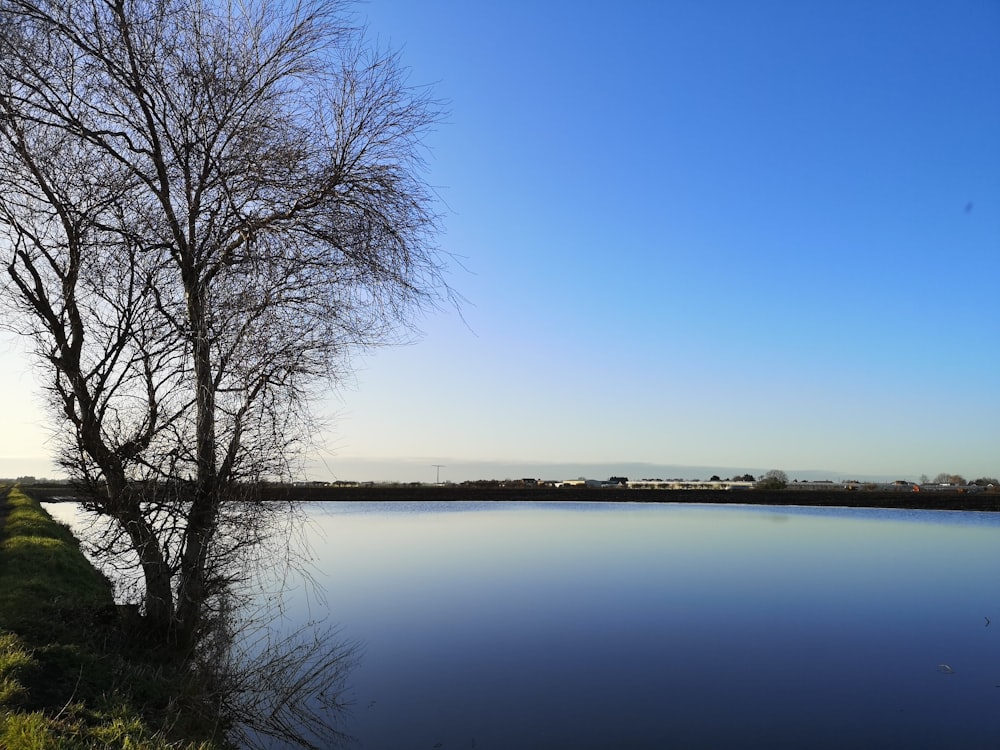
{"x": 665, "y": 626}
{"x": 652, "y": 626}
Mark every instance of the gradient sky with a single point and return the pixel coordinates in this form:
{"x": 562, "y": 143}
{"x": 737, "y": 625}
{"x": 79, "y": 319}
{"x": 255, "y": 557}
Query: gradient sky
{"x": 700, "y": 233}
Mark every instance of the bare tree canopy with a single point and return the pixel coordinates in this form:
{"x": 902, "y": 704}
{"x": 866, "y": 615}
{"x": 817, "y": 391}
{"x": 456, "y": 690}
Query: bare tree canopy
{"x": 775, "y": 479}
{"x": 205, "y": 207}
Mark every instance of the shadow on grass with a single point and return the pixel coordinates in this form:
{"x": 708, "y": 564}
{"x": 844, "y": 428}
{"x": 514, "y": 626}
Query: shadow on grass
{"x": 74, "y": 671}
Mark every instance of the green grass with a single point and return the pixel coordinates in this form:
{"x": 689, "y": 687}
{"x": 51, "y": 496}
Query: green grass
{"x": 72, "y": 676}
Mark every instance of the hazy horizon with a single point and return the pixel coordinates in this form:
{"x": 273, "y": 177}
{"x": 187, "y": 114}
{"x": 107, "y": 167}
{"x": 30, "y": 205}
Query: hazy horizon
{"x": 425, "y": 470}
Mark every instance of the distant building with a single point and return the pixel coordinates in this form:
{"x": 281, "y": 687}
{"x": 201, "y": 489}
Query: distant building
{"x": 689, "y": 484}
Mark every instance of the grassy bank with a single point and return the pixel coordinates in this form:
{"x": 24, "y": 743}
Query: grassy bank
{"x": 73, "y": 674}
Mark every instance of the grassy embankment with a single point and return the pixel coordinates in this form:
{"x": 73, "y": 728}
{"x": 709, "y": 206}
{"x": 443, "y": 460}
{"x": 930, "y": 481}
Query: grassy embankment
{"x": 72, "y": 674}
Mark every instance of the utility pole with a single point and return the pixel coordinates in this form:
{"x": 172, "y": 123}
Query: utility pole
{"x": 438, "y": 467}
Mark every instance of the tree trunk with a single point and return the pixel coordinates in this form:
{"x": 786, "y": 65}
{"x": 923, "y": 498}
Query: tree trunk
{"x": 124, "y": 507}
{"x": 203, "y": 516}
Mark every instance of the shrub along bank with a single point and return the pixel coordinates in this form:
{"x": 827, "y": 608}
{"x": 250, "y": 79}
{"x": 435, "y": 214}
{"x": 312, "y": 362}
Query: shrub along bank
{"x": 73, "y": 672}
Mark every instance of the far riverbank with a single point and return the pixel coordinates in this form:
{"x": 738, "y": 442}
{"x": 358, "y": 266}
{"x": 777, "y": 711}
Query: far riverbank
{"x": 939, "y": 500}
{"x": 986, "y": 501}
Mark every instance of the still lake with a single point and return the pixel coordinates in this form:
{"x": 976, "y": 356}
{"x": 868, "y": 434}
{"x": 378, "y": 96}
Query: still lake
{"x": 662, "y": 626}
{"x": 626, "y": 625}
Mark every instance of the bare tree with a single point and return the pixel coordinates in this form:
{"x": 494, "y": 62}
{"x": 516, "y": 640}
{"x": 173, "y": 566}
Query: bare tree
{"x": 206, "y": 207}
{"x": 775, "y": 479}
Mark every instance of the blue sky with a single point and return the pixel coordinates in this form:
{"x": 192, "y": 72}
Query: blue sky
{"x": 718, "y": 234}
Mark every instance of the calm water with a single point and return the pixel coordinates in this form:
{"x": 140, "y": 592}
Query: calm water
{"x": 603, "y": 626}
{"x": 663, "y": 626}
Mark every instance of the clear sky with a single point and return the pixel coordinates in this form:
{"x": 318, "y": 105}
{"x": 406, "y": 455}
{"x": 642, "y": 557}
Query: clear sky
{"x": 692, "y": 233}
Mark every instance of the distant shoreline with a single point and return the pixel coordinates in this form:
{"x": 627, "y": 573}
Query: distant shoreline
{"x": 938, "y": 500}
{"x": 988, "y": 502}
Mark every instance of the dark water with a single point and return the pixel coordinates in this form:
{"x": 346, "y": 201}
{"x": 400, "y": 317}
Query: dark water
{"x": 662, "y": 626}
{"x": 639, "y": 626}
